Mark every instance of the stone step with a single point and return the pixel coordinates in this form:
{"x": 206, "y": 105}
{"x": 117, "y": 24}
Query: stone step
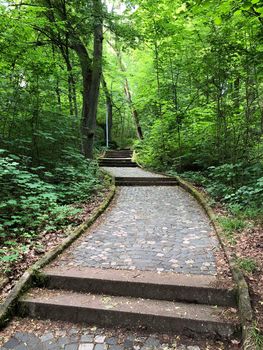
{"x": 116, "y": 152}
{"x": 117, "y": 160}
{"x": 116, "y": 163}
{"x": 169, "y": 286}
{"x": 105, "y": 310}
{"x": 145, "y": 181}
{"x": 118, "y": 155}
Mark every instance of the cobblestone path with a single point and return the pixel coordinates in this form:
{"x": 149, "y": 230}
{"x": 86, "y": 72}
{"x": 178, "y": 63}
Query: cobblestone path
{"x": 149, "y": 228}
{"x": 155, "y": 228}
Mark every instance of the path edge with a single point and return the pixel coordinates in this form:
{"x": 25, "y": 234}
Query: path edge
{"x": 7, "y": 309}
{"x": 243, "y": 297}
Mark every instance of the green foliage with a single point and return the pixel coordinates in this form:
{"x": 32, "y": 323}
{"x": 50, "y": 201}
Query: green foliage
{"x": 237, "y": 184}
{"x": 231, "y": 226}
{"x": 247, "y": 265}
{"x": 27, "y": 202}
{"x": 34, "y": 200}
{"x": 199, "y": 97}
{"x": 76, "y": 178}
{"x": 257, "y": 336}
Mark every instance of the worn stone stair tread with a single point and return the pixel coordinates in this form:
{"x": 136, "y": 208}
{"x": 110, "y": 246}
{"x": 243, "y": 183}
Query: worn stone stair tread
{"x": 126, "y": 311}
{"x": 146, "y": 180}
{"x": 171, "y": 286}
{"x": 116, "y": 159}
{"x": 143, "y": 178}
{"x": 145, "y": 183}
{"x": 114, "y": 165}
{"x": 162, "y": 278}
{"x": 117, "y": 163}
{"x": 120, "y": 159}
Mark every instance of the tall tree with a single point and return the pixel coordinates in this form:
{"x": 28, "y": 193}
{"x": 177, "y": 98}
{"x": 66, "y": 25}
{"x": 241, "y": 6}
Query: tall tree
{"x": 65, "y": 31}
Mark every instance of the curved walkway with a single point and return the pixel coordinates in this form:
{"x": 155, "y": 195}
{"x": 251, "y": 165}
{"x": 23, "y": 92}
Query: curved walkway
{"x": 147, "y": 228}
{"x": 155, "y": 228}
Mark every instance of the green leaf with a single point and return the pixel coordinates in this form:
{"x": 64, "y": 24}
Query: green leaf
{"x": 218, "y": 21}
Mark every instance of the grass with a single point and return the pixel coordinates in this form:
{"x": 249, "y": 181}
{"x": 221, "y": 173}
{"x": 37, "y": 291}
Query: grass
{"x": 230, "y": 226}
{"x": 246, "y": 264}
{"x": 257, "y": 337}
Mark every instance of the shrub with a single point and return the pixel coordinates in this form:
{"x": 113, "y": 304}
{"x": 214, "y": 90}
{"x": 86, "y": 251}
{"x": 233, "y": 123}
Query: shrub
{"x": 27, "y": 203}
{"x": 33, "y": 199}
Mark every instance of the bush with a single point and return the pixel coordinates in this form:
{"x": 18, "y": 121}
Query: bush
{"x": 33, "y": 199}
{"x": 76, "y": 178}
{"x": 27, "y": 203}
{"x": 237, "y": 184}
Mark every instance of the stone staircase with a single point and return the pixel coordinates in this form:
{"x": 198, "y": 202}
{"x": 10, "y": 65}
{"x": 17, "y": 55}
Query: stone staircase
{"x": 166, "y": 302}
{"x": 120, "y": 158}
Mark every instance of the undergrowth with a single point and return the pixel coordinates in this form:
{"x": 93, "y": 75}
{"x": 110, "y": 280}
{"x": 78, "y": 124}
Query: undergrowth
{"x": 36, "y": 200}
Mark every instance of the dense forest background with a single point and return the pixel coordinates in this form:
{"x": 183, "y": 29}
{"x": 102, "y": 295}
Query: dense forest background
{"x": 180, "y": 82}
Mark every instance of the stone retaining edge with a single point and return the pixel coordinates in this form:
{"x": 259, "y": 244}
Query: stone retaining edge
{"x": 7, "y": 309}
{"x": 244, "y": 303}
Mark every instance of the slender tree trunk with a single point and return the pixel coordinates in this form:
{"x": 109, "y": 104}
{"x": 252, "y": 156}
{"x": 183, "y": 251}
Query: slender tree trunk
{"x": 175, "y": 100}
{"x": 133, "y": 109}
{"x": 127, "y": 91}
{"x": 57, "y": 89}
{"x": 72, "y": 96}
{"x": 109, "y": 106}
{"x": 35, "y": 122}
{"x": 91, "y": 74}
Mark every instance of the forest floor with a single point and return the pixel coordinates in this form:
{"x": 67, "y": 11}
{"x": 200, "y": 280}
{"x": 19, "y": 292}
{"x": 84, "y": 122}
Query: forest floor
{"x": 246, "y": 246}
{"x": 45, "y": 242}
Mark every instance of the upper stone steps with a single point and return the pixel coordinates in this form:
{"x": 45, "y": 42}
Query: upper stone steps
{"x": 117, "y": 159}
{"x": 107, "y": 310}
{"x": 118, "y": 154}
{"x": 118, "y": 162}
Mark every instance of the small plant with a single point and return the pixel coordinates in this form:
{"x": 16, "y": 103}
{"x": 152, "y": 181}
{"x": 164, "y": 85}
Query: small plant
{"x": 231, "y": 224}
{"x": 257, "y": 337}
{"x": 195, "y": 176}
{"x": 247, "y": 265}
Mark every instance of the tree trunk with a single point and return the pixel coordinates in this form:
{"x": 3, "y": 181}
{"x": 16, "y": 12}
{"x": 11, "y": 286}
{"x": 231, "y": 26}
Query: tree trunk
{"x": 91, "y": 74}
{"x": 133, "y": 109}
{"x": 109, "y": 106}
{"x": 129, "y": 97}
